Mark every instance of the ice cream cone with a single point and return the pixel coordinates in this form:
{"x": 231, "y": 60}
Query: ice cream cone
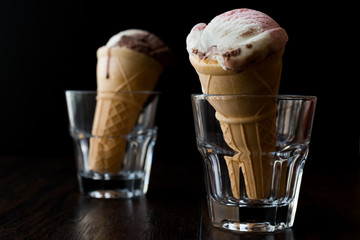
{"x": 119, "y": 70}
{"x": 249, "y": 127}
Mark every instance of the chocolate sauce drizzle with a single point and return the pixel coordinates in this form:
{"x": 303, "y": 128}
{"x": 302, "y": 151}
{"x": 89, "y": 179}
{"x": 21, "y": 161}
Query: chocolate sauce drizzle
{"x": 108, "y": 63}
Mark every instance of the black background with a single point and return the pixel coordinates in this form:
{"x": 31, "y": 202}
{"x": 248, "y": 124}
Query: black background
{"x": 47, "y": 47}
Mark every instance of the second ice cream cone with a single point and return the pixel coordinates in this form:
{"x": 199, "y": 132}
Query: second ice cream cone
{"x": 120, "y": 72}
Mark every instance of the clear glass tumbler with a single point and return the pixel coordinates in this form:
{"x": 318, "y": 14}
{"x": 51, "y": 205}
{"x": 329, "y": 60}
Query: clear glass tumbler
{"x": 114, "y": 136}
{"x": 254, "y": 150}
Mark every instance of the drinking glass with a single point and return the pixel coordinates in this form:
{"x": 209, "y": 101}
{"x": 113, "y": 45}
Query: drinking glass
{"x": 113, "y": 155}
{"x": 254, "y": 149}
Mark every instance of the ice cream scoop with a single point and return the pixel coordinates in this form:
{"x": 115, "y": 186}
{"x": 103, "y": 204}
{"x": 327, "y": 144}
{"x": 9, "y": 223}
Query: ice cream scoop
{"x": 144, "y": 42}
{"x": 236, "y": 38}
{"x": 240, "y": 52}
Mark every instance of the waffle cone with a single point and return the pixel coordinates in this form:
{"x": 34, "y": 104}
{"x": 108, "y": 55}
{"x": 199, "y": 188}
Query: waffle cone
{"x": 118, "y": 70}
{"x": 248, "y": 126}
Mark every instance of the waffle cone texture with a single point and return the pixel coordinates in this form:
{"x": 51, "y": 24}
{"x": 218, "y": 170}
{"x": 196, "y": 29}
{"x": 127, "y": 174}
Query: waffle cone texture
{"x": 119, "y": 70}
{"x": 249, "y": 127}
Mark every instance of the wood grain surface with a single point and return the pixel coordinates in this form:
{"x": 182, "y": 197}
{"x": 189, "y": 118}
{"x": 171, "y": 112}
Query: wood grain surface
{"x": 39, "y": 199}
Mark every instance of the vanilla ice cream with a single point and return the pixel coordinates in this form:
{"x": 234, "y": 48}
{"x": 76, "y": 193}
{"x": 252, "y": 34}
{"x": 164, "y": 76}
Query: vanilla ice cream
{"x": 236, "y": 39}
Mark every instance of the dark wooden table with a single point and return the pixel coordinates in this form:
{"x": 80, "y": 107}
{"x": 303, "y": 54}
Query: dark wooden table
{"x": 39, "y": 199}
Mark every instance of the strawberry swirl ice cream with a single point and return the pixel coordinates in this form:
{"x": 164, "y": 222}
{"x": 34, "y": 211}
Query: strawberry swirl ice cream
{"x": 143, "y": 42}
{"x": 236, "y": 39}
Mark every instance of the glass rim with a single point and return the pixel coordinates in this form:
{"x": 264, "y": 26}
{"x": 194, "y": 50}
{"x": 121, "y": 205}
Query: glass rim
{"x": 280, "y": 96}
{"x": 120, "y": 92}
